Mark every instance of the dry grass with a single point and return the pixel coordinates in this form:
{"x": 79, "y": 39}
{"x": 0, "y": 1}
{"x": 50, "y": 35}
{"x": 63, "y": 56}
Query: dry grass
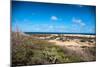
{"x": 27, "y": 51}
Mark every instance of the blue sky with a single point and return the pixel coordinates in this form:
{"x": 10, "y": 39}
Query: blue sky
{"x": 43, "y": 17}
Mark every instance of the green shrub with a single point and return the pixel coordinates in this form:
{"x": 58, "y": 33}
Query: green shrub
{"x": 26, "y": 51}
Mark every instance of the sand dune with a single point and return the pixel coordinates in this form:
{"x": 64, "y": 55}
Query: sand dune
{"x": 70, "y": 43}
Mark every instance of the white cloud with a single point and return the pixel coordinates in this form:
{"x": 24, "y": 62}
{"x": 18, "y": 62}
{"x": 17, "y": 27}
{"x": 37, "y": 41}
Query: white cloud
{"x": 49, "y": 28}
{"x": 54, "y": 18}
{"x": 78, "y": 21}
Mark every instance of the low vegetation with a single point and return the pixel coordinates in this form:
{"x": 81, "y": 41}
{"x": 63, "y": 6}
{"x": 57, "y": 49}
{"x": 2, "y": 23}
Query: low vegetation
{"x": 26, "y": 51}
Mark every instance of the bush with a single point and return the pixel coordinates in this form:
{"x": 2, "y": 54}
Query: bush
{"x": 26, "y": 51}
{"x": 82, "y": 40}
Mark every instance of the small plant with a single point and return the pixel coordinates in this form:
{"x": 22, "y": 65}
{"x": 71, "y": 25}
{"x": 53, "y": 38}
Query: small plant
{"x": 83, "y": 46}
{"x": 82, "y": 40}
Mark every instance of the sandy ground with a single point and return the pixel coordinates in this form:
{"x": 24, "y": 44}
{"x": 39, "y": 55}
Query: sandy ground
{"x": 71, "y": 43}
{"x": 74, "y": 46}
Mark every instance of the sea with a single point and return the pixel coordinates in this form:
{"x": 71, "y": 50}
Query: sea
{"x": 30, "y": 33}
